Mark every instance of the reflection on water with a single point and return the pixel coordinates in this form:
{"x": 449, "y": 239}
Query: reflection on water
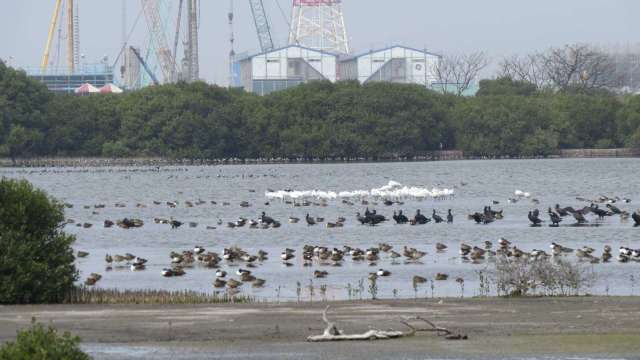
{"x": 476, "y": 184}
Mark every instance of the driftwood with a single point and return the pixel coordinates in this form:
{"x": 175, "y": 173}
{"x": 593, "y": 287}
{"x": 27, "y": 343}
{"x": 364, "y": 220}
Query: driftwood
{"x": 332, "y": 333}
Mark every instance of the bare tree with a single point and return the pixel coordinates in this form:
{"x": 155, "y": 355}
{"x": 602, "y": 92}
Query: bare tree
{"x": 459, "y": 71}
{"x": 572, "y": 66}
{"x": 528, "y": 68}
{"x": 579, "y": 65}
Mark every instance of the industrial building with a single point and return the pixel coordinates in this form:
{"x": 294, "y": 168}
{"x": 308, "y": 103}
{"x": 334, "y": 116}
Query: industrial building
{"x": 63, "y": 81}
{"x": 397, "y": 64}
{"x": 282, "y": 68}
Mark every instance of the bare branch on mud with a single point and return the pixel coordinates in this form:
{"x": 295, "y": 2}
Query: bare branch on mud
{"x": 333, "y": 333}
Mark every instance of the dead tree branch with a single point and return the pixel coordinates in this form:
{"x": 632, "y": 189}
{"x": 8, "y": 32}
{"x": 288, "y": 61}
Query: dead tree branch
{"x": 332, "y": 333}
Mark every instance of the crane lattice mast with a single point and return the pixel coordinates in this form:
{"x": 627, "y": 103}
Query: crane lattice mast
{"x": 319, "y": 24}
{"x": 262, "y": 25}
{"x": 159, "y": 39}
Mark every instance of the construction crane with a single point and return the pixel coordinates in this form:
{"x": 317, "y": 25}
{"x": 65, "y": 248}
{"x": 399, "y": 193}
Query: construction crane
{"x": 159, "y": 39}
{"x": 145, "y": 66}
{"x": 262, "y": 25}
{"x": 73, "y": 46}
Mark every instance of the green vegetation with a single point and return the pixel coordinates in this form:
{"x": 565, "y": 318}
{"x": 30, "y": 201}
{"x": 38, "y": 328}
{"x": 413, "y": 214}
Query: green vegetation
{"x": 40, "y": 343}
{"x": 315, "y": 120}
{"x": 36, "y": 258}
{"x": 83, "y": 295}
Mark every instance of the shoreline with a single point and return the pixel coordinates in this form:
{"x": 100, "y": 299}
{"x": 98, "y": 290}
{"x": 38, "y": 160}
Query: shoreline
{"x": 447, "y": 155}
{"x": 497, "y": 328}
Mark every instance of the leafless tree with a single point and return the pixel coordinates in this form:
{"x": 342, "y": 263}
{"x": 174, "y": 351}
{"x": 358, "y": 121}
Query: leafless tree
{"x": 528, "y": 68}
{"x": 455, "y": 73}
{"x": 579, "y": 65}
{"x": 572, "y": 66}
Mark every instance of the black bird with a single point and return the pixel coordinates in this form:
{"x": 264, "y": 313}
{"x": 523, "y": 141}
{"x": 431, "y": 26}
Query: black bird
{"x": 614, "y": 209}
{"x": 175, "y": 224}
{"x": 266, "y": 219}
{"x": 596, "y": 210}
{"x": 579, "y": 216}
{"x": 400, "y": 218}
{"x": 555, "y": 218}
{"x": 636, "y": 218}
{"x": 477, "y": 217}
{"x": 420, "y": 219}
{"x": 310, "y": 220}
{"x": 437, "y": 218}
{"x": 535, "y": 220}
{"x": 449, "y": 217}
{"x": 561, "y": 211}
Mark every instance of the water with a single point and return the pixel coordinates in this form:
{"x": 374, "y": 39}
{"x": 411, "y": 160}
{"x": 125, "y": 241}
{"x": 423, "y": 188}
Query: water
{"x": 549, "y": 181}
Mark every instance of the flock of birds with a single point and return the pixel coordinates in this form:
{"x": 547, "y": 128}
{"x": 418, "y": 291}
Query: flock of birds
{"x": 245, "y": 262}
{"x": 321, "y": 255}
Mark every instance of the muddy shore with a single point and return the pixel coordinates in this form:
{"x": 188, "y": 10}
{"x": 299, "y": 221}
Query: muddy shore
{"x": 586, "y": 327}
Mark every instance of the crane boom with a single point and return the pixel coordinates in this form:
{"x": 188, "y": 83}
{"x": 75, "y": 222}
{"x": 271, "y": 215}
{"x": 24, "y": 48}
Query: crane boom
{"x": 159, "y": 39}
{"x": 52, "y": 29}
{"x": 145, "y": 66}
{"x": 262, "y": 25}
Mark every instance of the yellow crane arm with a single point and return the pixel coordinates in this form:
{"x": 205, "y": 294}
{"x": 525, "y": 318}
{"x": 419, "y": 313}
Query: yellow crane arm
{"x": 52, "y": 29}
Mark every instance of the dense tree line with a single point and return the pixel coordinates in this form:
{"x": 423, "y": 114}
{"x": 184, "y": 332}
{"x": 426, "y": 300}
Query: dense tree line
{"x": 319, "y": 119}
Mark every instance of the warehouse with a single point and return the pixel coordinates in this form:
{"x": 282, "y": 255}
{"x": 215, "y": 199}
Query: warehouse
{"x": 397, "y": 64}
{"x": 283, "y": 68}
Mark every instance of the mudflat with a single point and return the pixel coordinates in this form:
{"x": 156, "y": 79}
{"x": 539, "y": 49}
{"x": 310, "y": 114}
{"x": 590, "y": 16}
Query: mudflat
{"x": 586, "y": 327}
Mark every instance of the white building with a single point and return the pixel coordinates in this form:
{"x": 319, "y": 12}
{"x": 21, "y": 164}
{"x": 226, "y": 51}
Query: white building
{"x": 282, "y": 68}
{"x": 398, "y": 64}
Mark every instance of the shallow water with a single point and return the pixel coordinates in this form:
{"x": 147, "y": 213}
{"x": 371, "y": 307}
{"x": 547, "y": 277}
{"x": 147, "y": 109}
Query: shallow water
{"x": 549, "y": 181}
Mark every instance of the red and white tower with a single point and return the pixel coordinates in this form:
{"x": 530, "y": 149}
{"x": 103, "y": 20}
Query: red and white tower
{"x": 319, "y": 24}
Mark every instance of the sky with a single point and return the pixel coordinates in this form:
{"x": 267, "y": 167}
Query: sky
{"x": 498, "y": 27}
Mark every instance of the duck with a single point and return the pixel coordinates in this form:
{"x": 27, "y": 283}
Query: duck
{"x": 219, "y": 283}
{"x": 258, "y": 283}
{"x": 320, "y": 274}
{"x": 247, "y": 277}
{"x": 221, "y": 273}
{"x": 108, "y": 259}
{"x": 382, "y": 272}
{"x": 419, "y": 280}
{"x": 559, "y": 249}
{"x": 385, "y": 247}
{"x": 233, "y": 284}
{"x": 167, "y": 272}
{"x": 441, "y": 277}
{"x": 465, "y": 249}
{"x": 440, "y": 247}
{"x": 242, "y": 271}
{"x": 287, "y": 255}
{"x": 449, "y": 217}
{"x": 137, "y": 267}
{"x": 198, "y": 250}
{"x": 636, "y": 218}
{"x": 293, "y": 220}
{"x": 82, "y": 254}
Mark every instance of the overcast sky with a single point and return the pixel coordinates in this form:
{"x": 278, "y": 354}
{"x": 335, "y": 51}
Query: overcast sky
{"x": 499, "y": 27}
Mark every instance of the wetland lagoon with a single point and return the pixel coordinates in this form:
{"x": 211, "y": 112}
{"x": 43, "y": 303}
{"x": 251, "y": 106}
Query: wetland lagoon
{"x": 206, "y": 198}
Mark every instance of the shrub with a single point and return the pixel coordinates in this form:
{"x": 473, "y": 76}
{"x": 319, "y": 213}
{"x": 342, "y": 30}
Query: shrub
{"x": 555, "y": 276}
{"x": 36, "y": 258}
{"x": 40, "y": 343}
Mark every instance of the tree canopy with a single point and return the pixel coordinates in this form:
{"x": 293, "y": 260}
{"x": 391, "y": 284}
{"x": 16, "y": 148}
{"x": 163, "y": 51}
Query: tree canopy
{"x": 314, "y": 120}
{"x": 36, "y": 258}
